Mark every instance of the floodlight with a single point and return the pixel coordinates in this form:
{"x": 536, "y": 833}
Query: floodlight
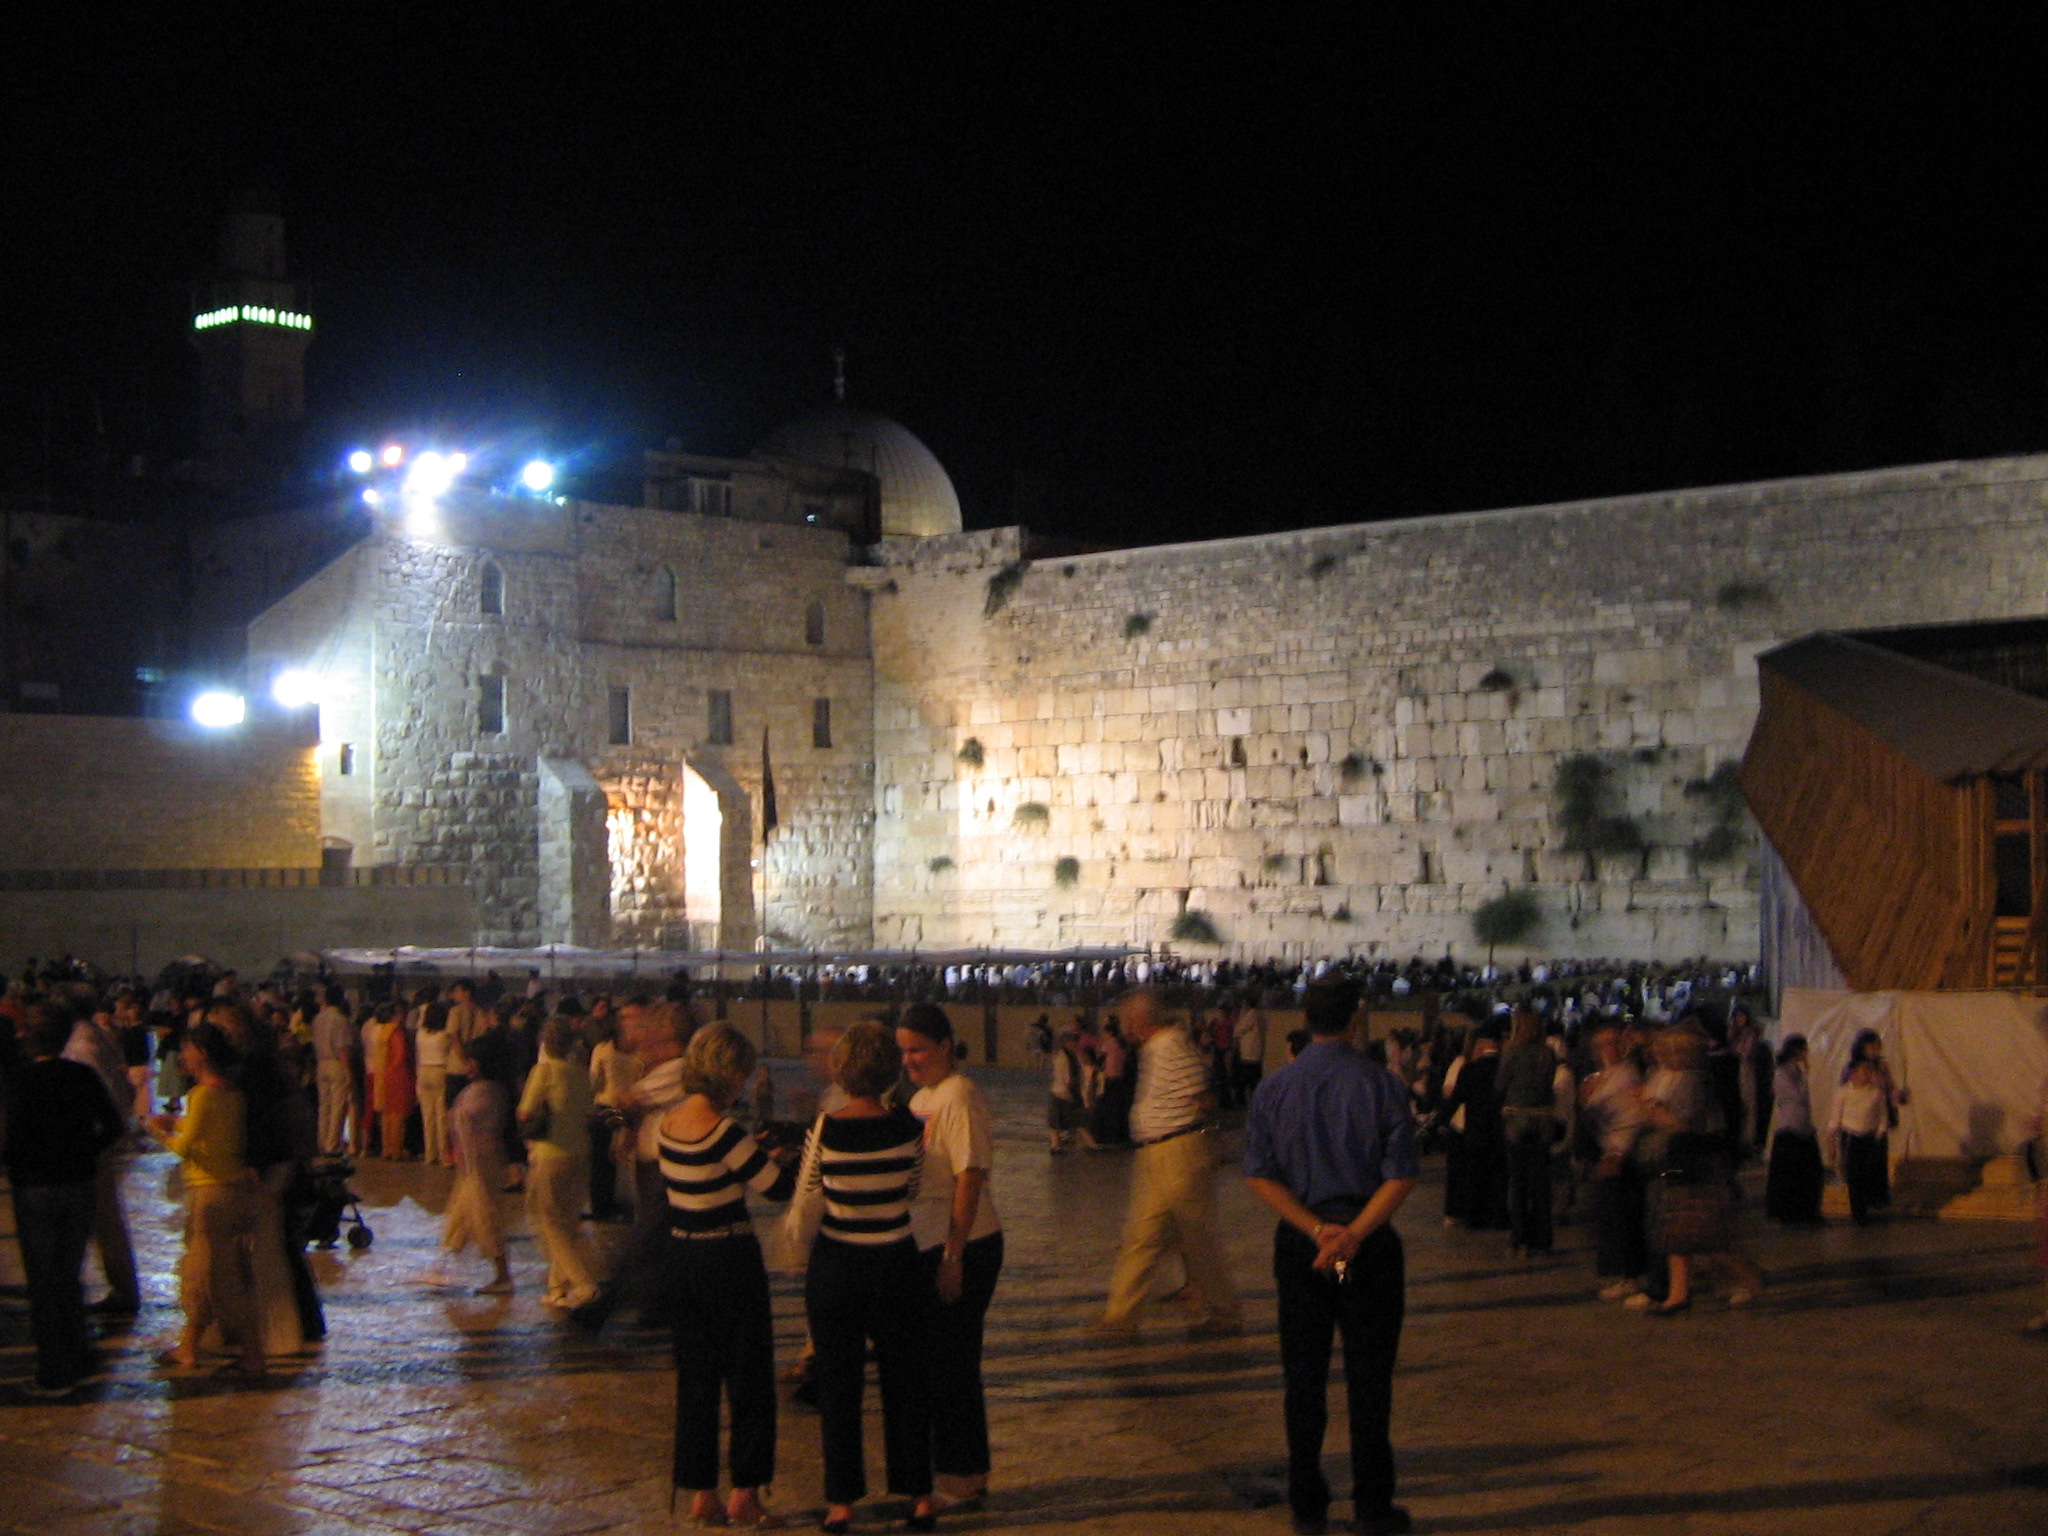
{"x": 457, "y": 463}
{"x": 295, "y": 688}
{"x": 393, "y": 455}
{"x": 372, "y": 497}
{"x": 218, "y": 711}
{"x": 537, "y": 476}
{"x": 362, "y": 461}
{"x": 431, "y": 475}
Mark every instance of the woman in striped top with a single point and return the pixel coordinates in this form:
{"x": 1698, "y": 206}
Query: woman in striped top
{"x": 724, "y": 1332}
{"x": 864, "y": 1281}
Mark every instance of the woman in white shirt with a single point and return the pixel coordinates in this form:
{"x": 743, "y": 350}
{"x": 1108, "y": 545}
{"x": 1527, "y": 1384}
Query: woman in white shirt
{"x": 960, "y": 1238}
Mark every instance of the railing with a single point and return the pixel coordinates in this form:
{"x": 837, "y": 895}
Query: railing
{"x": 229, "y": 879}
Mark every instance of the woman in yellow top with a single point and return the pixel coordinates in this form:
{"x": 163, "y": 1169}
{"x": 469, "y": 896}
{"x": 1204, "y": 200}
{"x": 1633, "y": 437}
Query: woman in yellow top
{"x": 215, "y": 1282}
{"x": 554, "y": 1117}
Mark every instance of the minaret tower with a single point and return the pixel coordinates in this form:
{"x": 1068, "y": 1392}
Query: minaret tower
{"x": 251, "y": 325}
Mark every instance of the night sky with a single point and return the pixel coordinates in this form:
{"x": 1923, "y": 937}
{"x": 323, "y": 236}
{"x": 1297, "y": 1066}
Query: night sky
{"x": 1130, "y": 281}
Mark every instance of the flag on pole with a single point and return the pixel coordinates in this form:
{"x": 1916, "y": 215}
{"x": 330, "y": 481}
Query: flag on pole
{"x": 768, "y": 817}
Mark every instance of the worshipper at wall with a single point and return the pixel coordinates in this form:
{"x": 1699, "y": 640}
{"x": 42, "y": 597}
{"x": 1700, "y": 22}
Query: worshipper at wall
{"x": 1475, "y": 1172}
{"x": 60, "y": 1125}
{"x": 1223, "y": 1057}
{"x": 1564, "y": 1111}
{"x": 1109, "y": 1119}
{"x": 850, "y": 1224}
{"x": 1691, "y": 1204}
{"x": 1066, "y": 1114}
{"x": 1758, "y": 1078}
{"x": 432, "y": 1049}
{"x": 467, "y": 1019}
{"x": 613, "y": 1071}
{"x": 215, "y": 1282}
{"x": 397, "y": 1089}
{"x": 960, "y": 1238}
{"x": 1611, "y": 1120}
{"x": 724, "y": 1330}
{"x": 1792, "y": 1189}
{"x": 93, "y": 1044}
{"x": 280, "y": 1134}
{"x": 133, "y": 1033}
{"x": 554, "y": 1116}
{"x": 335, "y": 1043}
{"x": 1330, "y": 1147}
{"x": 476, "y": 1122}
{"x": 1251, "y": 1049}
{"x": 1173, "y": 1180}
{"x": 641, "y": 1275}
{"x": 1858, "y": 1136}
{"x": 1526, "y": 1086}
{"x": 374, "y": 1039}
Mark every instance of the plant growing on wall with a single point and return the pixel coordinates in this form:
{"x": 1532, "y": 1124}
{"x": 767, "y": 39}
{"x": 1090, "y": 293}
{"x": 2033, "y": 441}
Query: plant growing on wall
{"x": 1274, "y": 863}
{"x": 1499, "y": 680}
{"x": 970, "y": 752}
{"x": 1194, "y": 928}
{"x": 940, "y": 865}
{"x": 1066, "y": 871}
{"x": 1356, "y": 765}
{"x": 1031, "y": 813}
{"x": 1137, "y": 624}
{"x": 1508, "y": 918}
{"x": 1001, "y": 585}
{"x": 1737, "y": 596}
{"x": 1726, "y": 837}
{"x": 1583, "y": 789}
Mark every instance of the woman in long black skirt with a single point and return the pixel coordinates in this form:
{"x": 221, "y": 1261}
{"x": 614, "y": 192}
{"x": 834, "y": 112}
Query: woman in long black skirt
{"x": 1792, "y": 1189}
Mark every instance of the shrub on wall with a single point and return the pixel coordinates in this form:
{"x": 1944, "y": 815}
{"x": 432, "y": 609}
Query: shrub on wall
{"x": 940, "y": 865}
{"x": 1066, "y": 871}
{"x": 1031, "y": 813}
{"x": 1001, "y": 585}
{"x": 970, "y": 752}
{"x": 1137, "y": 624}
{"x": 1727, "y": 837}
{"x": 1582, "y": 790}
{"x": 1508, "y": 918}
{"x": 1194, "y": 928}
{"x": 1499, "y": 680}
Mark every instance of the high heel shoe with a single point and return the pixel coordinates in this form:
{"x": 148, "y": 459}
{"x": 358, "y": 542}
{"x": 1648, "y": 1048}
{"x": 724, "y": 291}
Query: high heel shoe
{"x": 926, "y": 1520}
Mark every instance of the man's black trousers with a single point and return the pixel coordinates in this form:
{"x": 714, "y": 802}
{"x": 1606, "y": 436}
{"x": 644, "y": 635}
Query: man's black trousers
{"x": 1366, "y": 1308}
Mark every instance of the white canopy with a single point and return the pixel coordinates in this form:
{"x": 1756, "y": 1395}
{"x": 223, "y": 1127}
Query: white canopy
{"x": 572, "y": 960}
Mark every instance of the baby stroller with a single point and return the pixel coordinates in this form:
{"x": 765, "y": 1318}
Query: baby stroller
{"x": 331, "y": 1197}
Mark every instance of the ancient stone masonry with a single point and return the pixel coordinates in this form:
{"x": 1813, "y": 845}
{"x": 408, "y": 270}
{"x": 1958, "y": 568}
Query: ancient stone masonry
{"x": 1350, "y": 738}
{"x": 509, "y": 633}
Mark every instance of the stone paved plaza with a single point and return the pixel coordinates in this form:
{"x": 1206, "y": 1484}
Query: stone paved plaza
{"x": 1881, "y": 1385}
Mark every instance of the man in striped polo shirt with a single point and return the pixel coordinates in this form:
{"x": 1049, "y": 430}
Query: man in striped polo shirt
{"x": 1173, "y": 1178}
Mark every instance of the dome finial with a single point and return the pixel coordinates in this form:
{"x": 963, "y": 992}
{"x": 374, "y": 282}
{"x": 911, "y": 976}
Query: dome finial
{"x": 839, "y": 375}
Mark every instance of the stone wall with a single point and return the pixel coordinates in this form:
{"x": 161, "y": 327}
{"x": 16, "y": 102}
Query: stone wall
{"x": 1348, "y": 739}
{"x": 83, "y": 792}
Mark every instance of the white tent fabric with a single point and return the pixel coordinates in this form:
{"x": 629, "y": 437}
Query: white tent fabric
{"x": 1972, "y": 1063}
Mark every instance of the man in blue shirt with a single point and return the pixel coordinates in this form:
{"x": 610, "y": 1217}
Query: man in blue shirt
{"x": 1330, "y": 1146}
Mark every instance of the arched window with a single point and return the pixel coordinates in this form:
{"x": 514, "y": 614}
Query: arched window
{"x": 814, "y": 624}
{"x": 490, "y": 590}
{"x": 665, "y": 595}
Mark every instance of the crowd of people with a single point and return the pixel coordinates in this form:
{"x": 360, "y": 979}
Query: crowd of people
{"x": 1627, "y": 1087}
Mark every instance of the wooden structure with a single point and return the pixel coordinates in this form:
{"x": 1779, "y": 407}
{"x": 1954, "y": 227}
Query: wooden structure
{"x": 1908, "y": 803}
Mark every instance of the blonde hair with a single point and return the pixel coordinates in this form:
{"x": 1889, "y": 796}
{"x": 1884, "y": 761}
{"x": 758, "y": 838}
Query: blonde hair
{"x": 866, "y": 1062}
{"x": 717, "y": 1059}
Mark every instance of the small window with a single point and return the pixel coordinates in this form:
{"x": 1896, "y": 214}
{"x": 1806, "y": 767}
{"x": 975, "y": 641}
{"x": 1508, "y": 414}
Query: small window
{"x": 814, "y": 624}
{"x": 491, "y": 591}
{"x": 345, "y": 760}
{"x": 490, "y": 704}
{"x": 620, "y": 726}
{"x": 711, "y": 498}
{"x": 718, "y": 718}
{"x": 665, "y": 595}
{"x": 821, "y": 723}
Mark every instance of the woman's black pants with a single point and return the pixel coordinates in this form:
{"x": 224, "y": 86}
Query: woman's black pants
{"x": 853, "y": 1294}
{"x": 724, "y": 1338}
{"x": 959, "y": 1410}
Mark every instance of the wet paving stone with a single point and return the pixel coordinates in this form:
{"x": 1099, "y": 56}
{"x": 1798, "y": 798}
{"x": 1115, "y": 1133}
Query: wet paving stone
{"x": 1880, "y": 1385}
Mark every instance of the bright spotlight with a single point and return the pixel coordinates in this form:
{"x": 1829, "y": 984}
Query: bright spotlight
{"x": 537, "y": 476}
{"x": 218, "y": 711}
{"x": 372, "y": 497}
{"x": 295, "y": 688}
{"x": 362, "y": 461}
{"x": 392, "y": 456}
{"x": 431, "y": 476}
{"x": 458, "y": 462}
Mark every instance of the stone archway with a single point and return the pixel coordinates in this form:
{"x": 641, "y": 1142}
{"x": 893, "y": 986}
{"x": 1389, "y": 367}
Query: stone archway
{"x": 718, "y": 867}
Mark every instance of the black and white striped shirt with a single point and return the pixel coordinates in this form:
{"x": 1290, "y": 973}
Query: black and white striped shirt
{"x": 708, "y": 1179}
{"x": 862, "y": 1172}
